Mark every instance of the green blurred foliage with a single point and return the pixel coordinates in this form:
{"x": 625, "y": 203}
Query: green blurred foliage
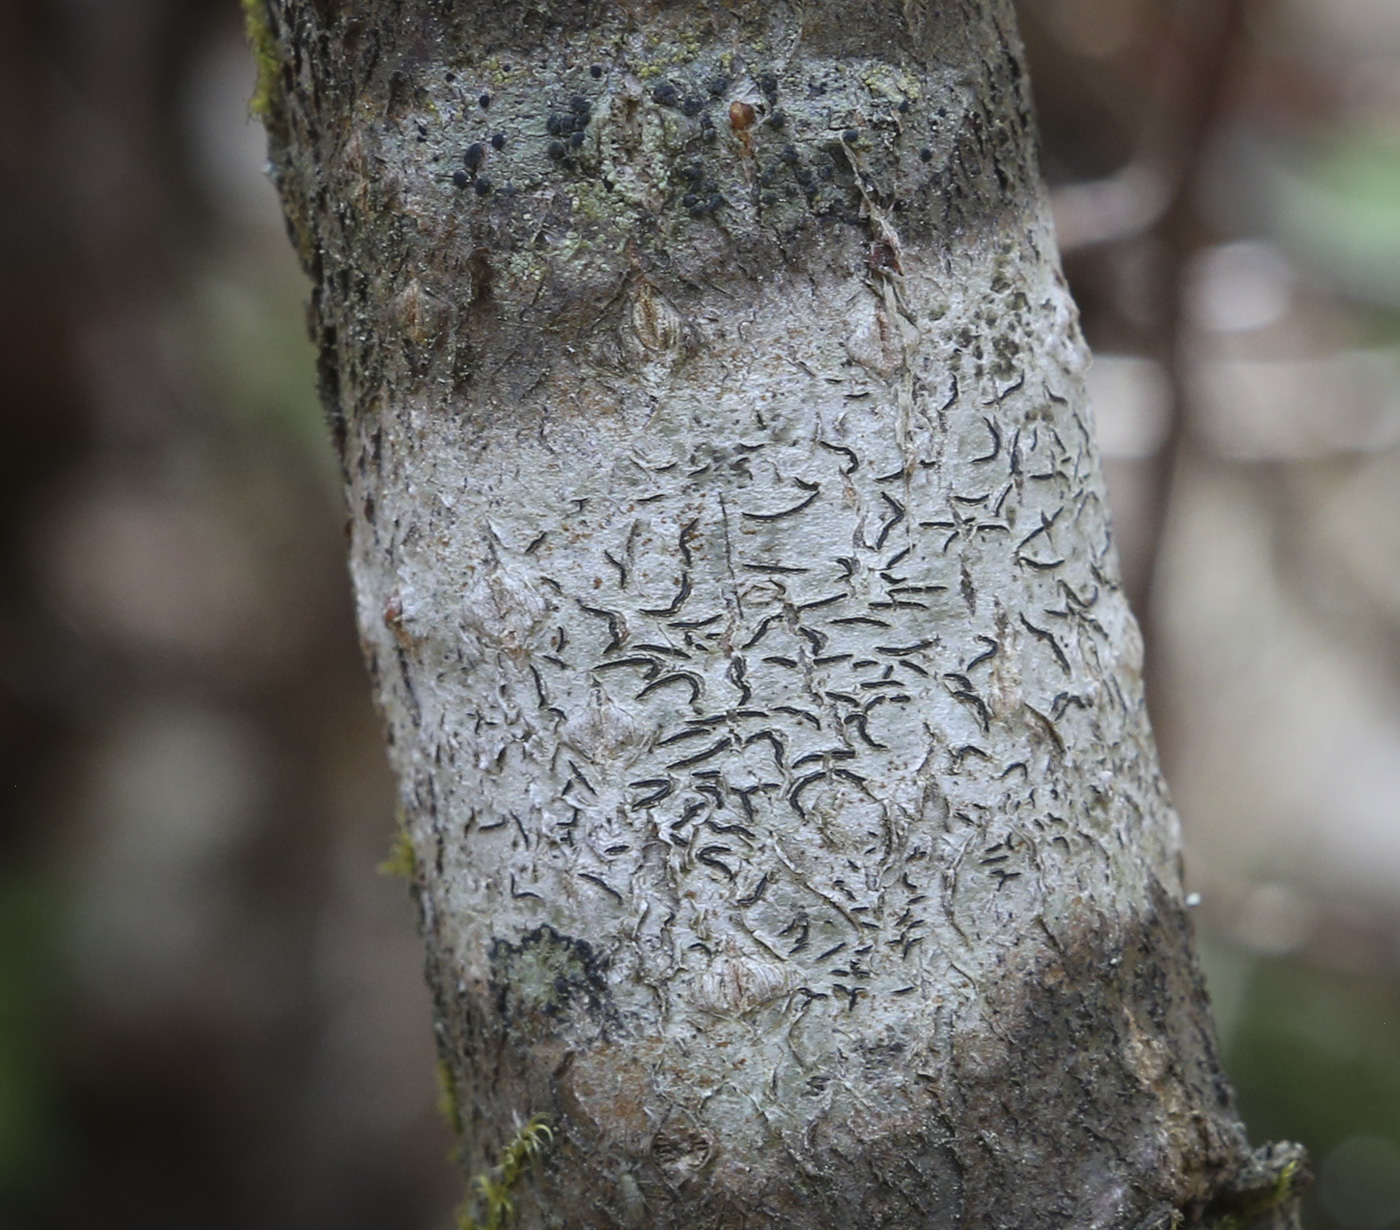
{"x": 1338, "y": 207}
{"x": 30, "y": 1112}
{"x": 1315, "y": 1057}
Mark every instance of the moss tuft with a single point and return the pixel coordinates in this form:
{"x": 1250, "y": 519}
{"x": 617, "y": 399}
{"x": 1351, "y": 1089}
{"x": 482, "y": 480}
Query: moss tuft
{"x": 1264, "y": 1194}
{"x": 264, "y": 104}
{"x": 494, "y": 1187}
{"x": 402, "y": 860}
{"x": 448, "y": 1103}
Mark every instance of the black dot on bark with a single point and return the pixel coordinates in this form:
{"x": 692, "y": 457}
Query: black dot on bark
{"x": 473, "y": 155}
{"x": 498, "y": 141}
{"x": 926, "y": 154}
{"x": 460, "y": 178}
{"x": 596, "y": 72}
{"x": 483, "y": 186}
{"x": 485, "y": 101}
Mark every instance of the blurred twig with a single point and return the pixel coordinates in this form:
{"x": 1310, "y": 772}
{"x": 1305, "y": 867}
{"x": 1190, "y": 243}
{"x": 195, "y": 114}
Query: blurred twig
{"x": 1151, "y": 200}
{"x": 1205, "y": 88}
{"x": 1193, "y": 86}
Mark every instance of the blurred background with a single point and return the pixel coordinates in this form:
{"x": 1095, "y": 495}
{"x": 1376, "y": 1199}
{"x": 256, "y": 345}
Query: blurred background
{"x": 211, "y": 1005}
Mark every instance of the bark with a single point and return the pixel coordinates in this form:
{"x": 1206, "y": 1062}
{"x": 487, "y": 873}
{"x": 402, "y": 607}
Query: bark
{"x": 733, "y": 567}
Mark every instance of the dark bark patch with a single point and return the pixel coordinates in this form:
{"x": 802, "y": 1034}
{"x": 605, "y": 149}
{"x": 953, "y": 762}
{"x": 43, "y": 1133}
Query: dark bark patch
{"x": 1092, "y": 1095}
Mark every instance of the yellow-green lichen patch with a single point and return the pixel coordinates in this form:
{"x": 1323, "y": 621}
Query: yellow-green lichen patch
{"x": 545, "y": 972}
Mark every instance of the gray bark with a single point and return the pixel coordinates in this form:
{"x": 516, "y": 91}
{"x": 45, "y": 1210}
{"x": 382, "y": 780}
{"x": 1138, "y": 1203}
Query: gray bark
{"x": 733, "y": 567}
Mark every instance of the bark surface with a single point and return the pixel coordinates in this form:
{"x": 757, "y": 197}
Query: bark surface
{"x": 733, "y": 566}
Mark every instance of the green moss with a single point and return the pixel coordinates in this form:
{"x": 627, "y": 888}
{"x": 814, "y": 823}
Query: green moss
{"x": 265, "y": 103}
{"x": 493, "y": 1189}
{"x": 1257, "y": 1206}
{"x": 1284, "y": 1190}
{"x": 448, "y": 1103}
{"x": 402, "y": 860}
